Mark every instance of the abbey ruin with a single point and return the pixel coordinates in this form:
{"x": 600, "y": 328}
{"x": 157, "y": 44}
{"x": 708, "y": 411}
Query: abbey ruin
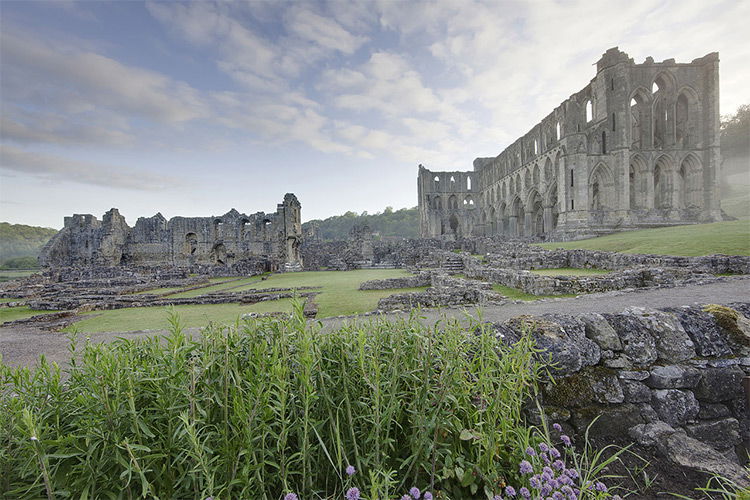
{"x": 258, "y": 242}
{"x": 637, "y": 147}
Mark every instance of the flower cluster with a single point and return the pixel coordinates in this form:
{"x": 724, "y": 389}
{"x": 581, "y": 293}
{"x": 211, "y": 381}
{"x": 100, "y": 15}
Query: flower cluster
{"x": 548, "y": 474}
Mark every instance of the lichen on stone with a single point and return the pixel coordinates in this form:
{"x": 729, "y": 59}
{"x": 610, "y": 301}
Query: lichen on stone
{"x": 729, "y": 320}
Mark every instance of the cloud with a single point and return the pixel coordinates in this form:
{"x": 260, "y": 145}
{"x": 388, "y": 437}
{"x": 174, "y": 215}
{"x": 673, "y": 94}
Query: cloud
{"x": 85, "y": 81}
{"x": 325, "y": 32}
{"x": 56, "y": 129}
{"x": 55, "y": 168}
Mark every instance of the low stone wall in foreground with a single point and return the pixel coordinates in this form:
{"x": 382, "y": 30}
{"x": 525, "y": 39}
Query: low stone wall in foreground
{"x": 669, "y": 379}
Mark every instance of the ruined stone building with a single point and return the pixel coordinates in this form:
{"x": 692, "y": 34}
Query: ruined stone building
{"x": 637, "y": 147}
{"x": 271, "y": 241}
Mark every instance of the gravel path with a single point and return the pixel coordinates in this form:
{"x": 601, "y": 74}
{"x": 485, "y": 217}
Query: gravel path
{"x": 21, "y": 346}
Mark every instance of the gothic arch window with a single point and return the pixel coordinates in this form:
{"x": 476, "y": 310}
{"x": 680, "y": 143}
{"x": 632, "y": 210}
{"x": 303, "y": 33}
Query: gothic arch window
{"x": 687, "y": 113}
{"x": 589, "y": 110}
{"x": 452, "y": 202}
{"x": 557, "y": 131}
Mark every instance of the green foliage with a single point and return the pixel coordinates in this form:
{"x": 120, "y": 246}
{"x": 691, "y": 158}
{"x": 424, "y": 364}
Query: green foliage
{"x": 402, "y": 223}
{"x": 20, "y": 263}
{"x": 735, "y": 134}
{"x": 268, "y": 407}
{"x": 18, "y": 240}
{"x": 731, "y": 238}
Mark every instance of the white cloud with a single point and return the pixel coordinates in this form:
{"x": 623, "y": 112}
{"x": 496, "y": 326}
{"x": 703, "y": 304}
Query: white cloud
{"x": 325, "y": 32}
{"x": 59, "y": 169}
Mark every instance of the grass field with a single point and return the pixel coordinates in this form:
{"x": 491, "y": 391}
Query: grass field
{"x": 339, "y": 295}
{"x": 516, "y": 294}
{"x": 731, "y": 238}
{"x": 570, "y": 271}
{"x": 221, "y": 284}
{"x": 339, "y": 289}
{"x": 11, "y": 274}
{"x": 21, "y": 312}
{"x": 149, "y": 318}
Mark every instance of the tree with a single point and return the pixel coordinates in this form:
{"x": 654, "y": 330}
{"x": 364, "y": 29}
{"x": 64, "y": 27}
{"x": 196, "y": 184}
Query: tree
{"x": 735, "y": 134}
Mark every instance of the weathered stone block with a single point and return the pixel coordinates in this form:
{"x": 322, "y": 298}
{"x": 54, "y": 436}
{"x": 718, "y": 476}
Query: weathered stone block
{"x": 612, "y": 421}
{"x": 605, "y": 387}
{"x": 563, "y": 338}
{"x": 601, "y": 332}
{"x": 636, "y": 392}
{"x": 713, "y": 410}
{"x": 673, "y": 377}
{"x": 703, "y": 331}
{"x": 634, "y": 375}
{"x": 720, "y": 384}
{"x": 638, "y": 343}
{"x": 721, "y": 434}
{"x": 672, "y": 342}
{"x": 674, "y": 406}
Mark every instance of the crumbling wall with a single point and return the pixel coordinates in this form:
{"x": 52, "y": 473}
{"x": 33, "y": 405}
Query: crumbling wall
{"x": 657, "y": 375}
{"x": 233, "y": 240}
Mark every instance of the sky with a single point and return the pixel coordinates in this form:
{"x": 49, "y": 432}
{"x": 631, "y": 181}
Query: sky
{"x": 195, "y": 108}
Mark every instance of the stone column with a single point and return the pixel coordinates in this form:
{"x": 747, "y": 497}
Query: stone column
{"x": 547, "y": 220}
{"x": 513, "y": 225}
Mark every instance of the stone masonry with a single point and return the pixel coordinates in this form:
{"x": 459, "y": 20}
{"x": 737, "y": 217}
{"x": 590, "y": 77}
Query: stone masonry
{"x": 230, "y": 240}
{"x": 637, "y": 147}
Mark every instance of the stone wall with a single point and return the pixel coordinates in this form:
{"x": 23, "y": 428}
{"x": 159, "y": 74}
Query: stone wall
{"x": 270, "y": 239}
{"x": 445, "y": 291}
{"x": 418, "y": 280}
{"x": 666, "y": 377}
{"x": 516, "y": 255}
{"x": 638, "y": 146}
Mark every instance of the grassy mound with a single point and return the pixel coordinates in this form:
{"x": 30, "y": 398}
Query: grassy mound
{"x": 731, "y": 238}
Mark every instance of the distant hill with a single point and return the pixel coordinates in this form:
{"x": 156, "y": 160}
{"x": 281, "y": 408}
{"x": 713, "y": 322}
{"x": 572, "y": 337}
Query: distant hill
{"x": 403, "y": 223}
{"x": 20, "y": 244}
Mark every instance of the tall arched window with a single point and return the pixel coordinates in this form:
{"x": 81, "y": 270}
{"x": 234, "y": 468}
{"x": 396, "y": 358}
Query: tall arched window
{"x": 589, "y": 111}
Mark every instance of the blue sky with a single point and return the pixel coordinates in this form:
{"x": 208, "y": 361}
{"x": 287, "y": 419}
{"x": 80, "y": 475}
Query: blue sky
{"x": 194, "y": 108}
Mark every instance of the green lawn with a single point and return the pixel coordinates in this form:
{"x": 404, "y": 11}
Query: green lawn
{"x": 339, "y": 294}
{"x": 20, "y": 312}
{"x": 9, "y": 299}
{"x": 516, "y": 294}
{"x": 11, "y": 274}
{"x": 731, "y": 238}
{"x": 570, "y": 271}
{"x": 150, "y": 318}
{"x": 221, "y": 284}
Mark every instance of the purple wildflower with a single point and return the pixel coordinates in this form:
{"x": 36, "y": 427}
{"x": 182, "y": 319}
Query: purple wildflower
{"x": 600, "y": 487}
{"x": 555, "y": 453}
{"x": 535, "y": 482}
{"x": 571, "y": 473}
{"x": 427, "y": 495}
{"x": 406, "y": 497}
{"x": 415, "y": 493}
{"x": 530, "y": 451}
{"x": 524, "y": 492}
{"x": 545, "y": 458}
{"x": 558, "y": 496}
{"x": 553, "y": 483}
{"x": 558, "y": 464}
{"x": 526, "y": 467}
{"x": 565, "y": 439}
{"x": 510, "y": 491}
{"x": 543, "y": 447}
{"x": 352, "y": 493}
{"x": 497, "y": 497}
{"x": 557, "y": 427}
{"x": 350, "y": 470}
{"x": 564, "y": 480}
{"x": 546, "y": 490}
{"x": 288, "y": 496}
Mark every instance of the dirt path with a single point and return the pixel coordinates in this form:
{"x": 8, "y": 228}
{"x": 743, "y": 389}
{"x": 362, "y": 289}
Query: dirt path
{"x": 21, "y": 346}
